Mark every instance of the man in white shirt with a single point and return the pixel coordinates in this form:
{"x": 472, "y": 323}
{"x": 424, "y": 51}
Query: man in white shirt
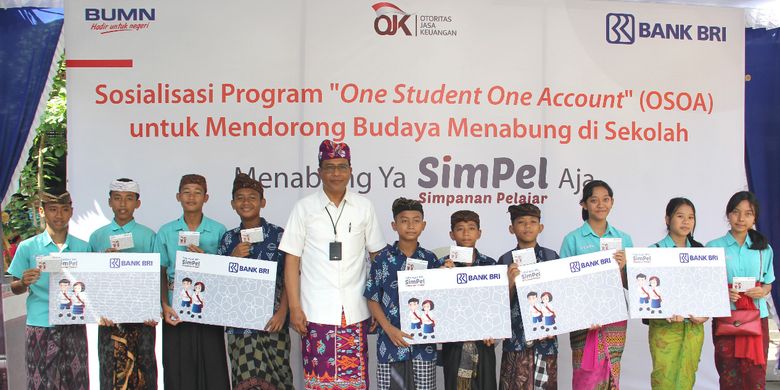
{"x": 326, "y": 239}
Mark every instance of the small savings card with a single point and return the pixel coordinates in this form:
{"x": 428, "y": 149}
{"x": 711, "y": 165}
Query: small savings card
{"x": 49, "y": 263}
{"x": 461, "y": 254}
{"x": 189, "y": 238}
{"x": 610, "y": 244}
{"x": 524, "y": 256}
{"x": 742, "y": 284}
{"x": 252, "y": 235}
{"x": 413, "y": 264}
{"x": 121, "y": 241}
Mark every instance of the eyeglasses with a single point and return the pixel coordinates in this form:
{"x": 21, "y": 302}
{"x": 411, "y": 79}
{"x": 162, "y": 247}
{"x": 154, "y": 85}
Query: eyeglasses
{"x": 335, "y": 168}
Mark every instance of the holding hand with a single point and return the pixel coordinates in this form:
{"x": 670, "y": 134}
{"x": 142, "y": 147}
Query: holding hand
{"x": 489, "y": 342}
{"x": 448, "y": 264}
{"x": 196, "y": 249}
{"x": 241, "y": 250}
{"x": 675, "y": 318}
{"x": 30, "y": 276}
{"x": 620, "y": 257}
{"x": 276, "y": 322}
{"x": 397, "y": 336}
{"x": 169, "y": 315}
{"x": 733, "y": 295}
{"x": 512, "y": 272}
{"x": 756, "y": 292}
{"x": 697, "y": 320}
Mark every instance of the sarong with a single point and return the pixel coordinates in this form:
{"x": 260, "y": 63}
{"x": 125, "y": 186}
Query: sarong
{"x": 194, "y": 357}
{"x": 596, "y": 356}
{"x": 126, "y": 356}
{"x": 56, "y": 357}
{"x": 675, "y": 348}
{"x": 335, "y": 357}
{"x": 261, "y": 360}
{"x": 485, "y": 378}
{"x": 528, "y": 370}
{"x": 736, "y": 373}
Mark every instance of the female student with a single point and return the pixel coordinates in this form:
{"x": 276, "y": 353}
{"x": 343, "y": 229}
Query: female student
{"x": 741, "y": 360}
{"x": 605, "y": 342}
{"x": 675, "y": 343}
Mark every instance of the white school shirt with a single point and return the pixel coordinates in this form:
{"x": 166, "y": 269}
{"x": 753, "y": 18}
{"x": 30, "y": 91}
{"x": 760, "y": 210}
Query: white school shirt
{"x": 327, "y": 286}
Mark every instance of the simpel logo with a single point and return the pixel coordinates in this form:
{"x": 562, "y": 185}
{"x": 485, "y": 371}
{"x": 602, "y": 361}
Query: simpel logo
{"x": 114, "y": 262}
{"x": 574, "y": 266}
{"x": 462, "y": 278}
{"x": 684, "y": 258}
{"x": 233, "y": 267}
{"x": 390, "y": 19}
{"x": 621, "y": 29}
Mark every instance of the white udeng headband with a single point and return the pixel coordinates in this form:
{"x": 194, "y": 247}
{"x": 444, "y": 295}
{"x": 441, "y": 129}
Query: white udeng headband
{"x": 125, "y": 186}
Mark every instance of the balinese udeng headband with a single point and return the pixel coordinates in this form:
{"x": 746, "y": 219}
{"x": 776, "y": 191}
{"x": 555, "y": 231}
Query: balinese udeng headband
{"x": 63, "y": 198}
{"x": 125, "y": 186}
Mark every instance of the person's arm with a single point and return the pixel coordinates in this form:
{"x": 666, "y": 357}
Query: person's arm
{"x": 292, "y": 284}
{"x": 276, "y": 322}
{"x": 395, "y": 334}
{"x": 30, "y": 276}
{"x": 168, "y": 313}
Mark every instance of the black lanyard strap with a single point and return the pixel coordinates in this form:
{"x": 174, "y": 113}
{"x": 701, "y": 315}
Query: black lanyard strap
{"x": 335, "y": 234}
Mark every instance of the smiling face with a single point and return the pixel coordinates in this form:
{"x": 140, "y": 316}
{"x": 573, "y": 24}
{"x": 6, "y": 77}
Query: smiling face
{"x": 77, "y": 288}
{"x": 57, "y": 216}
{"x": 64, "y": 287}
{"x": 192, "y": 197}
{"x": 409, "y": 224}
{"x": 123, "y": 204}
{"x": 466, "y": 234}
{"x": 742, "y": 218}
{"x": 598, "y": 205}
{"x": 682, "y": 221}
{"x": 247, "y": 203}
{"x": 426, "y": 307}
{"x": 526, "y": 229}
{"x": 335, "y": 174}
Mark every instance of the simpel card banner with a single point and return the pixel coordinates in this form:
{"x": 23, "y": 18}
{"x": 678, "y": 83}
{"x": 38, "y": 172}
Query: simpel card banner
{"x": 569, "y": 294}
{"x": 224, "y": 290}
{"x": 677, "y": 281}
{"x": 455, "y": 304}
{"x": 121, "y": 287}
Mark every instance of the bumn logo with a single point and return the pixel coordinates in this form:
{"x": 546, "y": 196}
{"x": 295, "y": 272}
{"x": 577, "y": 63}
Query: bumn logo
{"x": 684, "y": 258}
{"x": 574, "y": 266}
{"x": 462, "y": 278}
{"x": 114, "y": 262}
{"x": 621, "y": 29}
{"x": 233, "y": 267}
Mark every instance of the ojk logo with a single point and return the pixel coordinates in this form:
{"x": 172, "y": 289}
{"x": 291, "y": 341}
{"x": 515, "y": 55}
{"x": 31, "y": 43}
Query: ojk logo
{"x": 621, "y": 29}
{"x": 390, "y": 19}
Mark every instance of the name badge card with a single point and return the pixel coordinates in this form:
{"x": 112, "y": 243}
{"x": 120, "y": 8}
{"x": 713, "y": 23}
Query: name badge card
{"x": 122, "y": 287}
{"x": 611, "y": 244}
{"x": 455, "y": 304}
{"x": 48, "y": 263}
{"x": 461, "y": 254}
{"x": 569, "y": 294}
{"x": 524, "y": 256}
{"x": 121, "y": 241}
{"x": 742, "y": 284}
{"x": 189, "y": 238}
{"x": 252, "y": 235}
{"x": 663, "y": 282}
{"x": 415, "y": 264}
{"x": 224, "y": 290}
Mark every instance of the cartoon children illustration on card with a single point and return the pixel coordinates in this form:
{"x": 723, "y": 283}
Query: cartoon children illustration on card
{"x": 428, "y": 323}
{"x": 79, "y": 300}
{"x": 415, "y": 321}
{"x": 64, "y": 298}
{"x": 548, "y": 311}
{"x": 535, "y": 309}
{"x": 655, "y": 295}
{"x": 197, "y": 300}
{"x": 186, "y": 297}
{"x": 644, "y": 292}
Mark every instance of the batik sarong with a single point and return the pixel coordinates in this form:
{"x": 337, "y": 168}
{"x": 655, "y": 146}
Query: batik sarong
{"x": 335, "y": 357}
{"x": 56, "y": 357}
{"x": 126, "y": 356}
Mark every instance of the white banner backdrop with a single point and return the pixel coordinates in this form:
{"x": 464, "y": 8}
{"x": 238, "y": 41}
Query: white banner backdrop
{"x": 463, "y": 105}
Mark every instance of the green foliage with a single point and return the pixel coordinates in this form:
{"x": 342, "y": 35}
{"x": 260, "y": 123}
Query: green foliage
{"x": 45, "y": 160}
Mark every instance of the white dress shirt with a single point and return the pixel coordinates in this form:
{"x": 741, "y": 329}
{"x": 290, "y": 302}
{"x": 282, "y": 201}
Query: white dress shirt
{"x": 328, "y": 287}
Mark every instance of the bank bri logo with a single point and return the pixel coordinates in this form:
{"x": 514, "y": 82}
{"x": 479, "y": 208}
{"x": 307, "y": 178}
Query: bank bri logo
{"x": 574, "y": 266}
{"x": 233, "y": 267}
{"x": 684, "y": 258}
{"x": 115, "y": 263}
{"x": 621, "y": 29}
{"x": 462, "y": 278}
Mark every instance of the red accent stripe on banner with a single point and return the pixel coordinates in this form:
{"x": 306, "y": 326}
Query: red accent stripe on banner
{"x": 126, "y": 63}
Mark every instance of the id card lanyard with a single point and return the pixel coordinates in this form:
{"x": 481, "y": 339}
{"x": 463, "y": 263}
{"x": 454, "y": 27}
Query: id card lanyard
{"x": 334, "y": 253}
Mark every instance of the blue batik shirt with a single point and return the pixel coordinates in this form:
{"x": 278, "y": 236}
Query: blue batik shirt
{"x": 268, "y": 249}
{"x": 382, "y": 287}
{"x": 518, "y": 342}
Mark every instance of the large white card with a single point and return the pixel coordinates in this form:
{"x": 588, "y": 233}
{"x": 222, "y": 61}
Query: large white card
{"x": 455, "y": 304}
{"x": 122, "y": 287}
{"x": 573, "y": 293}
{"x": 224, "y": 290}
{"x": 677, "y": 281}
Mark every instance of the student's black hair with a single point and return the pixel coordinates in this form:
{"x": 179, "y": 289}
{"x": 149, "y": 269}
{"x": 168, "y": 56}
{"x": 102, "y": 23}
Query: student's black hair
{"x": 430, "y": 302}
{"x": 83, "y": 286}
{"x": 548, "y": 294}
{"x": 186, "y": 280}
{"x": 531, "y": 294}
{"x": 202, "y": 286}
{"x": 463, "y": 216}
{"x": 125, "y": 180}
{"x": 587, "y": 192}
{"x": 672, "y": 207}
{"x": 641, "y": 276}
{"x": 402, "y": 204}
{"x": 657, "y": 280}
{"x": 64, "y": 281}
{"x": 759, "y": 241}
{"x": 415, "y": 300}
